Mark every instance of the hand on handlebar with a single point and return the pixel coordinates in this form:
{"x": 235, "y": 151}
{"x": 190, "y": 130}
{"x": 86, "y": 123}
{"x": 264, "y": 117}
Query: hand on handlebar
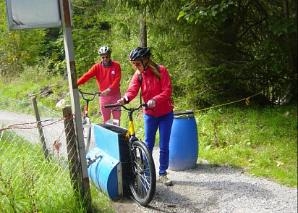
{"x": 151, "y": 103}
{"x": 123, "y": 100}
{"x": 106, "y": 92}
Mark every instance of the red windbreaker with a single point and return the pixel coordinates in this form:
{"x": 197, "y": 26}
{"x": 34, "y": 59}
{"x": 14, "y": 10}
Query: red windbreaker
{"x": 106, "y": 77}
{"x": 153, "y": 88}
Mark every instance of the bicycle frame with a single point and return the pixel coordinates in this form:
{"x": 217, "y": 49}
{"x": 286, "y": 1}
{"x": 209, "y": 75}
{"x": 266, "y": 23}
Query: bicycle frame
{"x": 131, "y": 127}
{"x": 87, "y": 97}
{"x": 142, "y": 182}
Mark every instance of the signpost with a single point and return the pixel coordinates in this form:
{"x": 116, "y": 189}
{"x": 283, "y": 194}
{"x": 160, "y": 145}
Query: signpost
{"x": 26, "y": 14}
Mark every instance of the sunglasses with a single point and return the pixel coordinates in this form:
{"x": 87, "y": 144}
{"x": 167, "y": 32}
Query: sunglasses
{"x": 103, "y": 57}
{"x": 137, "y": 64}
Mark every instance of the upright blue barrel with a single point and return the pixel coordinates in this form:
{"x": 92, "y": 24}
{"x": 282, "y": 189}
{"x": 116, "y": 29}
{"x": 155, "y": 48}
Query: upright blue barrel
{"x": 183, "y": 145}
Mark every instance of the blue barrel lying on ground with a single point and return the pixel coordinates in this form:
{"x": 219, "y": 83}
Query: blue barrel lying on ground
{"x": 103, "y": 171}
{"x": 183, "y": 145}
{"x": 108, "y": 161}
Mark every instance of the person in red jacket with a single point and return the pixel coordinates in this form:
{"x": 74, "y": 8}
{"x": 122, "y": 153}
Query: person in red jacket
{"x": 108, "y": 76}
{"x": 156, "y": 90}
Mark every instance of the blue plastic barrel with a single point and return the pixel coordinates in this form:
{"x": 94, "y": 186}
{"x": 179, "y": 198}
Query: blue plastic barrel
{"x": 109, "y": 160}
{"x": 104, "y": 173}
{"x": 183, "y": 145}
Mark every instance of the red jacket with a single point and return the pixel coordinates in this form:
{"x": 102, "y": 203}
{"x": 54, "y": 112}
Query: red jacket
{"x": 106, "y": 77}
{"x": 153, "y": 88}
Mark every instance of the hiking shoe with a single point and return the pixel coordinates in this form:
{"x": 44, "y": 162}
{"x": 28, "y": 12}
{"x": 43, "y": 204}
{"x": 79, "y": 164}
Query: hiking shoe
{"x": 165, "y": 180}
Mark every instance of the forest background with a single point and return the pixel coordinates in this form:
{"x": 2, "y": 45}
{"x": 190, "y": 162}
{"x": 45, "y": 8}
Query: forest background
{"x": 216, "y": 51}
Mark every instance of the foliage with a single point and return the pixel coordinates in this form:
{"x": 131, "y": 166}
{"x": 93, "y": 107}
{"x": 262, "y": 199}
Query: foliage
{"x": 252, "y": 44}
{"x": 222, "y": 50}
{"x": 18, "y": 48}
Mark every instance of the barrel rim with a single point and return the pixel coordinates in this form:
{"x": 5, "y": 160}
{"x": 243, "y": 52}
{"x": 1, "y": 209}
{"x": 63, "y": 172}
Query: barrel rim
{"x": 186, "y": 113}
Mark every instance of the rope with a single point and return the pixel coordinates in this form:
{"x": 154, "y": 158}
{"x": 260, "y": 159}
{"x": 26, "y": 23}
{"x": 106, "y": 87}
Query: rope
{"x": 30, "y": 125}
{"x": 232, "y": 102}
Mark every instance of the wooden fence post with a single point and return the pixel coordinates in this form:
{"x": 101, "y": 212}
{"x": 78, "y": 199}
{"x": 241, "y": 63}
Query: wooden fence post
{"x": 72, "y": 149}
{"x": 39, "y": 127}
{"x": 75, "y": 166}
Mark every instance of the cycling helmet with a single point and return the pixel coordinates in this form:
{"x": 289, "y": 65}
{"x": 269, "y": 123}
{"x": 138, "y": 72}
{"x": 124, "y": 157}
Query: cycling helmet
{"x": 139, "y": 53}
{"x": 104, "y": 50}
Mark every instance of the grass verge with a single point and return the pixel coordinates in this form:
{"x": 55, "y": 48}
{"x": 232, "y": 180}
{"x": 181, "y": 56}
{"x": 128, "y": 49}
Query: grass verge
{"x": 263, "y": 141}
{"x": 29, "y": 183}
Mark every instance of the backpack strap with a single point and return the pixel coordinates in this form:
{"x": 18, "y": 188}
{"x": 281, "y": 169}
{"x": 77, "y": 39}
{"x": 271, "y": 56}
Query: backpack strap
{"x": 140, "y": 79}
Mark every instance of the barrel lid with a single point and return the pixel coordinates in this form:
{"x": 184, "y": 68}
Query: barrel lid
{"x": 184, "y": 114}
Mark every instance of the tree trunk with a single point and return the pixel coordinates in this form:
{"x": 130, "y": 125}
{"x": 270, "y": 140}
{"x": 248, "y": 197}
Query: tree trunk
{"x": 143, "y": 29}
{"x": 291, "y": 45}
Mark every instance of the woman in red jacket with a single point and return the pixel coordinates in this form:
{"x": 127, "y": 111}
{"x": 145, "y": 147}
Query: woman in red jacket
{"x": 108, "y": 75}
{"x": 156, "y": 90}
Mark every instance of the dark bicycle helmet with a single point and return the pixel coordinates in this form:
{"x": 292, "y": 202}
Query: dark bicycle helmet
{"x": 104, "y": 50}
{"x": 139, "y": 53}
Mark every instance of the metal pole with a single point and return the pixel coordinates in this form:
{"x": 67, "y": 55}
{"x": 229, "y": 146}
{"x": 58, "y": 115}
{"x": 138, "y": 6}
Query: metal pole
{"x": 74, "y": 94}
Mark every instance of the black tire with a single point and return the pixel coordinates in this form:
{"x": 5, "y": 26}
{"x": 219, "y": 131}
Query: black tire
{"x": 142, "y": 184}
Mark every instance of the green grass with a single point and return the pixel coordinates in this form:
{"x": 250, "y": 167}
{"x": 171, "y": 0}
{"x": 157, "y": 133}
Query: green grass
{"x": 15, "y": 94}
{"x": 29, "y": 183}
{"x": 263, "y": 141}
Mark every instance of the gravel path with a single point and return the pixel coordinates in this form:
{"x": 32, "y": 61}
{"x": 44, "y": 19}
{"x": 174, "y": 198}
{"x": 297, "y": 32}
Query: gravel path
{"x": 216, "y": 189}
{"x": 206, "y": 188}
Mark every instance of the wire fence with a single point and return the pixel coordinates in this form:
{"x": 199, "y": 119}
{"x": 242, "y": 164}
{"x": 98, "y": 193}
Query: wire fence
{"x": 39, "y": 164}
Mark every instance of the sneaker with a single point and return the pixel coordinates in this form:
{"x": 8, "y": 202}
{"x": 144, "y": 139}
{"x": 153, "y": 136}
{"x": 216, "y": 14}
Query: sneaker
{"x": 165, "y": 180}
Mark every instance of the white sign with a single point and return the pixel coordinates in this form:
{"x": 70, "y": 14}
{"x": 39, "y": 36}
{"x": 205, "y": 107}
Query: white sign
{"x": 23, "y": 14}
